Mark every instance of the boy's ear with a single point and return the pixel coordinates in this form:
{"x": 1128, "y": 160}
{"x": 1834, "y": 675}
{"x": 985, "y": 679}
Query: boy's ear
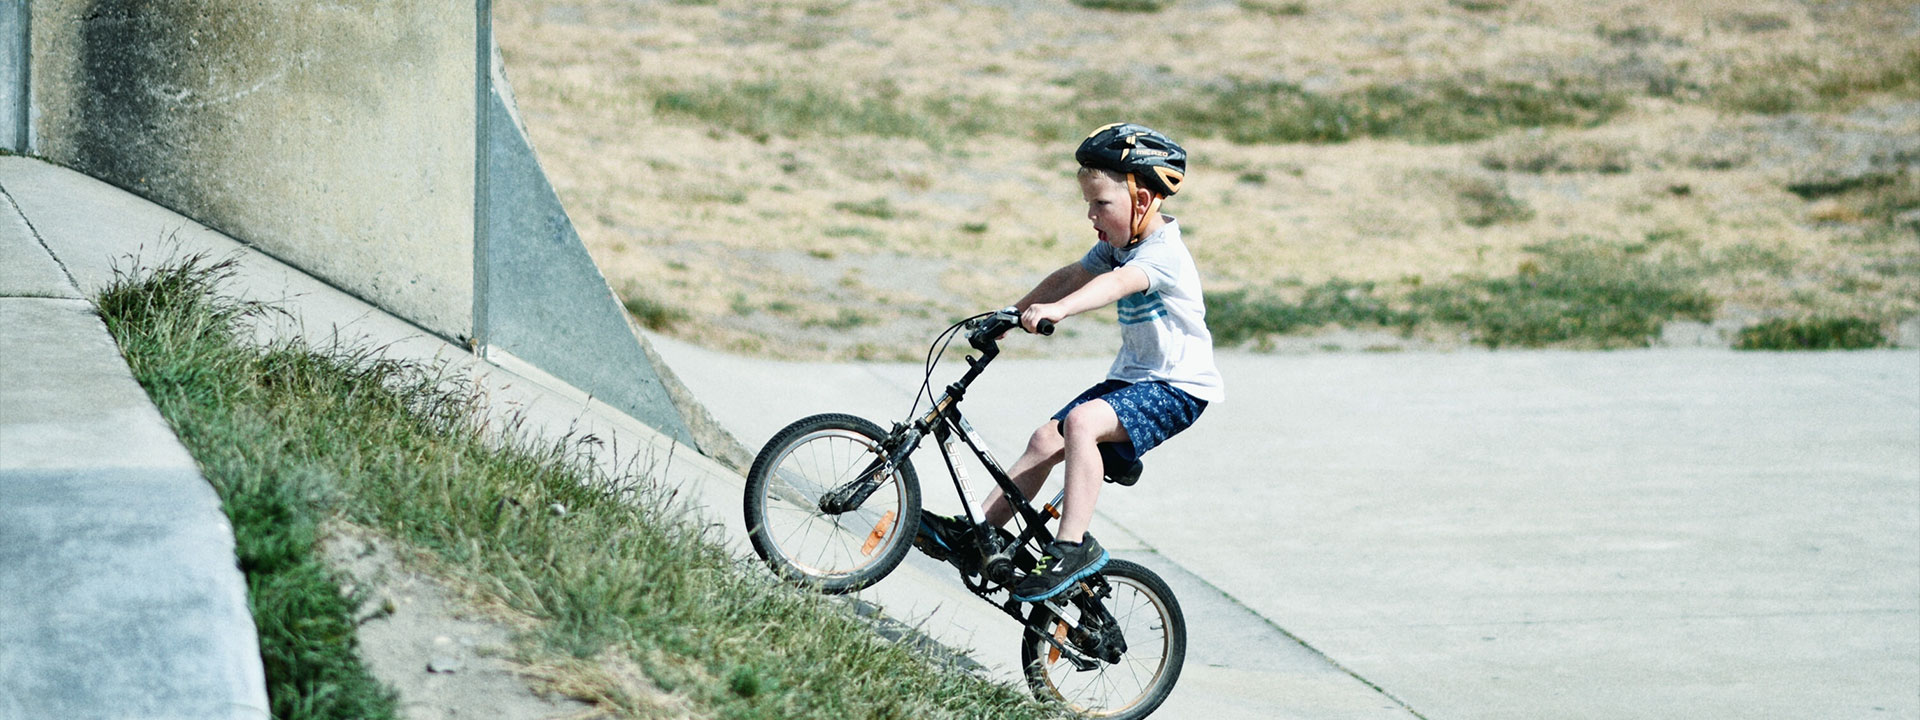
{"x": 1143, "y": 198}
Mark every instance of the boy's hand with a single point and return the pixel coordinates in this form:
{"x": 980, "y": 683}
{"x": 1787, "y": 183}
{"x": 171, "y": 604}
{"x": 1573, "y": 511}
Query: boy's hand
{"x": 1031, "y": 318}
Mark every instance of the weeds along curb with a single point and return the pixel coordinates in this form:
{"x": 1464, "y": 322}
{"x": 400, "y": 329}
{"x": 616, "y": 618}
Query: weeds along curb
{"x": 636, "y": 606}
{"x": 178, "y": 339}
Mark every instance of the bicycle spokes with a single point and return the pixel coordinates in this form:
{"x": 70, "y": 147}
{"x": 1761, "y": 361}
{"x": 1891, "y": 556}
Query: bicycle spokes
{"x": 1114, "y": 652}
{"x": 842, "y": 550}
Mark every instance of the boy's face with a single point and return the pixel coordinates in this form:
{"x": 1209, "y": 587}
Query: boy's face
{"x": 1109, "y": 207}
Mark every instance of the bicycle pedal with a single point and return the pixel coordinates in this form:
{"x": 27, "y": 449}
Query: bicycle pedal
{"x": 1079, "y": 590}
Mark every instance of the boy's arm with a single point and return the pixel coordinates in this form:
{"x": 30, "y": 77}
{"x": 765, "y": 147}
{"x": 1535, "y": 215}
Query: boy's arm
{"x": 1096, "y": 292}
{"x": 1058, "y": 284}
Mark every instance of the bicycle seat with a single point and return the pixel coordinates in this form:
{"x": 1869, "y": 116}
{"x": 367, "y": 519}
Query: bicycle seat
{"x": 1118, "y": 470}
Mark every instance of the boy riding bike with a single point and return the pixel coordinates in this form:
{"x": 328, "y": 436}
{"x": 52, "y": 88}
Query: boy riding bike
{"x": 1162, "y": 380}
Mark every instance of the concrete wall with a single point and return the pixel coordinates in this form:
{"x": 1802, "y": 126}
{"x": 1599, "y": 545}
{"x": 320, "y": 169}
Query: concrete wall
{"x": 542, "y": 299}
{"x": 337, "y": 136}
{"x": 14, "y": 25}
{"x": 343, "y": 138}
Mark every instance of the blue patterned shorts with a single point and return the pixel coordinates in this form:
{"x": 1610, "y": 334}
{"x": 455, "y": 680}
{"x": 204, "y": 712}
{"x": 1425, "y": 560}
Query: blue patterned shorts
{"x": 1150, "y": 412}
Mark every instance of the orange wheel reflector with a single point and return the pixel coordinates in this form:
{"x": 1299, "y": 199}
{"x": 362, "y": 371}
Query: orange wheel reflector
{"x": 879, "y": 533}
{"x": 1060, "y": 634}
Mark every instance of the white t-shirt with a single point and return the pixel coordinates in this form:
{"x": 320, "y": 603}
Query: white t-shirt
{"x": 1163, "y": 329}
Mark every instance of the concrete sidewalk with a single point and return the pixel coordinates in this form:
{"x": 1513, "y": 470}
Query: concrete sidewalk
{"x": 121, "y": 596}
{"x": 1646, "y": 534}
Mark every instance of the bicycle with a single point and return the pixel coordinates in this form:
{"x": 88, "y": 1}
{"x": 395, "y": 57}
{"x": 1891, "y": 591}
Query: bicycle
{"x": 833, "y": 503}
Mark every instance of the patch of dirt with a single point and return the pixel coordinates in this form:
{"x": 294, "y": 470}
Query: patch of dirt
{"x": 447, "y": 658}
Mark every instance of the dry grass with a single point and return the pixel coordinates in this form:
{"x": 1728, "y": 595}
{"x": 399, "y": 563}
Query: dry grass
{"x": 818, "y": 179}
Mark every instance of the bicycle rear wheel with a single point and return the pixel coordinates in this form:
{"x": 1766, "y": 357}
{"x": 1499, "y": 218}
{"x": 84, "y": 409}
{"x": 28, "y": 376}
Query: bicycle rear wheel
{"x": 834, "y": 552}
{"x": 1155, "y": 632}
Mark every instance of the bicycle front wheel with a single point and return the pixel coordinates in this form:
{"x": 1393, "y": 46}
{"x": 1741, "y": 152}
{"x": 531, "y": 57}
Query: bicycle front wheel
{"x": 1154, "y": 630}
{"x": 835, "y": 552}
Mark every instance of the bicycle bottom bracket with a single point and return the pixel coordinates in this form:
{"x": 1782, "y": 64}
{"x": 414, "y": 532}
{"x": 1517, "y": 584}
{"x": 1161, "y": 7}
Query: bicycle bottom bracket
{"x": 998, "y": 568}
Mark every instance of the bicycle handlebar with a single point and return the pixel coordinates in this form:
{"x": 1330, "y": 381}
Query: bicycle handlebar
{"x": 994, "y": 325}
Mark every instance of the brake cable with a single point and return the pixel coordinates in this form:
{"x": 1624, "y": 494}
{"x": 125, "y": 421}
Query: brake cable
{"x": 935, "y": 353}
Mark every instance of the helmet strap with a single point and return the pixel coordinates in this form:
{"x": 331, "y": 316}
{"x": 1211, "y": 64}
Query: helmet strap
{"x": 1139, "y": 219}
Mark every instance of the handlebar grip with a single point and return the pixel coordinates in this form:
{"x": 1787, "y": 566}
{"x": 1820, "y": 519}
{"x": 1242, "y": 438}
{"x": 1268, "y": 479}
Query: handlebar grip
{"x": 1045, "y": 327}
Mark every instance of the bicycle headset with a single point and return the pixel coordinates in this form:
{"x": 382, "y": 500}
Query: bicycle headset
{"x": 1147, "y": 159}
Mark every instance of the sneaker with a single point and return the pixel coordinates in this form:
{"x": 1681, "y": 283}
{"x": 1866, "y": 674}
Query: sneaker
{"x": 1059, "y": 568}
{"x": 952, "y": 539}
{"x": 941, "y": 536}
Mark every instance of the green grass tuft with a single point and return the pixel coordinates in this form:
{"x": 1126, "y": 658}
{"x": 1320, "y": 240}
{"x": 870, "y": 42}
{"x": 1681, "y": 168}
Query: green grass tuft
{"x": 180, "y": 341}
{"x": 1796, "y": 83}
{"x": 1460, "y": 108}
{"x": 1577, "y": 290}
{"x": 766, "y": 109}
{"x": 1132, "y": 6}
{"x": 653, "y": 314}
{"x": 1812, "y": 334}
{"x": 1237, "y": 316}
{"x": 1275, "y": 8}
{"x": 1485, "y": 202}
{"x": 878, "y": 208}
{"x": 1443, "y": 110}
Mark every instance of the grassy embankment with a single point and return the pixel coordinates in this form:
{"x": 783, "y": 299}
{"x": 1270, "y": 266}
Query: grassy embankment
{"x": 621, "y": 601}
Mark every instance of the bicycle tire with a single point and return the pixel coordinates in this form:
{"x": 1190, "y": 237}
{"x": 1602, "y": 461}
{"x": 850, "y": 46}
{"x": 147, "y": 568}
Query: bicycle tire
{"x": 1156, "y": 634}
{"x": 806, "y": 545}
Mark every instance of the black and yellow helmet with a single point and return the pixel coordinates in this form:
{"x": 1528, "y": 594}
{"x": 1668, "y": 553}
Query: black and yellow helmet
{"x": 1159, "y": 163}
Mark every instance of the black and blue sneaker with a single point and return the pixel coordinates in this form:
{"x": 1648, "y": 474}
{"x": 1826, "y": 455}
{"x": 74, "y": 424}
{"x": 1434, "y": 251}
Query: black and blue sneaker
{"x": 953, "y": 540}
{"x": 1062, "y": 565}
{"x": 940, "y": 536}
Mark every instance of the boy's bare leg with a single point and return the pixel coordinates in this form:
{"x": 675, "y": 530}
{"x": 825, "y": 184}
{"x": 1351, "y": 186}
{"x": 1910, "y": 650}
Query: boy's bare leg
{"x": 1028, "y": 473}
{"x": 1090, "y": 424}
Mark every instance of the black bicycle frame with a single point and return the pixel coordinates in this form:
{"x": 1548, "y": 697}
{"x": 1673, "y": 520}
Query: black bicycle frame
{"x": 943, "y": 421}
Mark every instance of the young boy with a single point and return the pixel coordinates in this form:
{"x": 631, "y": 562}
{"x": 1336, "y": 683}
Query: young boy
{"x": 1164, "y": 375}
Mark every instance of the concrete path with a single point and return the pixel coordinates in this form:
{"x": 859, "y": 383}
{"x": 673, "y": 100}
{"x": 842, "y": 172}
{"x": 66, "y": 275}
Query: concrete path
{"x": 1651, "y": 534}
{"x": 119, "y": 596}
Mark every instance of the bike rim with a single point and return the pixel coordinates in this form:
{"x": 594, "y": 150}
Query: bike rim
{"x": 817, "y": 544}
{"x": 1107, "y": 690}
